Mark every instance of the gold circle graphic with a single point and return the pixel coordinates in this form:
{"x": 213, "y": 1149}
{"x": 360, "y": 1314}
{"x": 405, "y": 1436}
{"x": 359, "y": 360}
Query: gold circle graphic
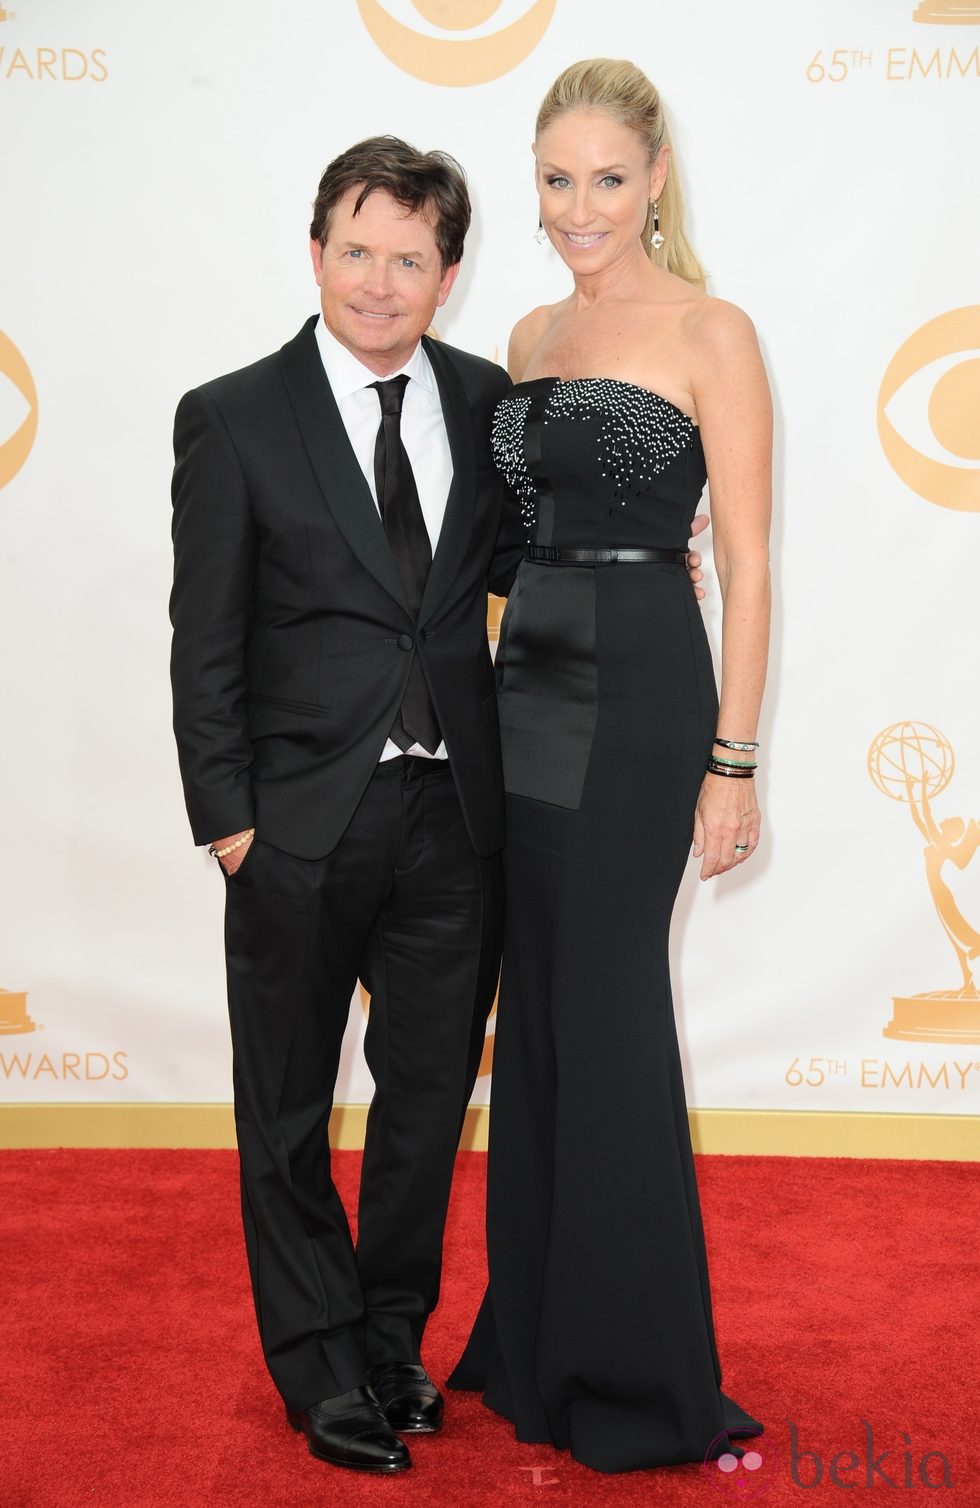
{"x": 457, "y": 15}
{"x": 457, "y": 63}
{"x": 911, "y": 753}
{"x": 952, "y": 408}
{"x": 948, "y": 13}
{"x": 15, "y": 450}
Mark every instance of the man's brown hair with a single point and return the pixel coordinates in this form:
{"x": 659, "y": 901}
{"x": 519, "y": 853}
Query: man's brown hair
{"x": 431, "y": 184}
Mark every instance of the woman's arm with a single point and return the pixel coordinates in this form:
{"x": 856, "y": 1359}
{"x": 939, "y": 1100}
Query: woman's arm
{"x": 735, "y": 414}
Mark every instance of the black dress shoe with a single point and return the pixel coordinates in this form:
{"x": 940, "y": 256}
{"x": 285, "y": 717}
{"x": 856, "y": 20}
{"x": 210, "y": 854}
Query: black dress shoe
{"x": 350, "y": 1430}
{"x": 409, "y": 1399}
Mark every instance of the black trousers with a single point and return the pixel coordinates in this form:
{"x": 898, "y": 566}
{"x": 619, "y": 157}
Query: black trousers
{"x": 404, "y": 904}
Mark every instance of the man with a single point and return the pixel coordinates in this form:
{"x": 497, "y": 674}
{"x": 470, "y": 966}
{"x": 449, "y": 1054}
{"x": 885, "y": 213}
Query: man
{"x": 336, "y": 510}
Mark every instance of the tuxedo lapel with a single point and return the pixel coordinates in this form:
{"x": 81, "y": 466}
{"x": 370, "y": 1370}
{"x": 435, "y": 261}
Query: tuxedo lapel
{"x": 457, "y": 525}
{"x": 334, "y": 463}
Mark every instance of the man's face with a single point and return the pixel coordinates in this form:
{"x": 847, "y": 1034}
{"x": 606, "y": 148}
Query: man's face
{"x": 381, "y": 280}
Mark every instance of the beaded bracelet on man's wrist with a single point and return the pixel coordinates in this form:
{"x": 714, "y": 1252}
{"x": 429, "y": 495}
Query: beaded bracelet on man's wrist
{"x": 219, "y": 853}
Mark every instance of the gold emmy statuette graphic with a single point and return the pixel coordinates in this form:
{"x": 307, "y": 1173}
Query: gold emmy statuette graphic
{"x": 453, "y": 60}
{"x": 948, "y": 13}
{"x": 13, "y": 1013}
{"x": 15, "y": 450}
{"x": 953, "y": 408}
{"x": 913, "y": 762}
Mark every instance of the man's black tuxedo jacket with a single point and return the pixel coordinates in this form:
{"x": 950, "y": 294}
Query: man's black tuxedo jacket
{"x": 292, "y": 636}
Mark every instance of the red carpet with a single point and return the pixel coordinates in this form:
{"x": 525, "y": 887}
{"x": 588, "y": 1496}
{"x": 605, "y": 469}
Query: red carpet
{"x": 131, "y": 1373}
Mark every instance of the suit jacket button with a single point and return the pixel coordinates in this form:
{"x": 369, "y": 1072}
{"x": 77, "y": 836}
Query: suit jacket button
{"x": 405, "y": 641}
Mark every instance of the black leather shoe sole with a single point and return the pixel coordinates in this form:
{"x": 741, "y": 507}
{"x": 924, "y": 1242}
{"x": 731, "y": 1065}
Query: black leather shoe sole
{"x": 415, "y": 1429}
{"x": 379, "y": 1470}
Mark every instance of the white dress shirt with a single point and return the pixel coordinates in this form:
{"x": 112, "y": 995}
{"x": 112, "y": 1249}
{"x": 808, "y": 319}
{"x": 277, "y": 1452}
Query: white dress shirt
{"x": 423, "y": 431}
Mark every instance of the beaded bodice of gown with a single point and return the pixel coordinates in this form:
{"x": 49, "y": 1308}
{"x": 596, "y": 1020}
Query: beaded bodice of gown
{"x": 598, "y": 462}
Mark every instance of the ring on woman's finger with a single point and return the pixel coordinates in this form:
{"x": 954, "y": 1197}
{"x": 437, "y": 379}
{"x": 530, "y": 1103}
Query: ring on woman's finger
{"x": 741, "y": 848}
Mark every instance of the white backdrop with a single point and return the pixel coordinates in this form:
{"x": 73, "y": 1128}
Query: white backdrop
{"x": 157, "y": 174}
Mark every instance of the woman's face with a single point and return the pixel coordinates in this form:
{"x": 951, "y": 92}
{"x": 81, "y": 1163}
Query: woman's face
{"x": 595, "y": 186}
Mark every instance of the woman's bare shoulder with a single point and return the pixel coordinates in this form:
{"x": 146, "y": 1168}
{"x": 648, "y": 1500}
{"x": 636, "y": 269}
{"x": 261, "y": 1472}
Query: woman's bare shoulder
{"x": 725, "y": 361}
{"x": 526, "y": 335}
{"x": 715, "y": 325}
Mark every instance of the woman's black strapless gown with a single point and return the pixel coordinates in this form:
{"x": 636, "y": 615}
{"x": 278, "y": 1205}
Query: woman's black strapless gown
{"x": 596, "y": 1331}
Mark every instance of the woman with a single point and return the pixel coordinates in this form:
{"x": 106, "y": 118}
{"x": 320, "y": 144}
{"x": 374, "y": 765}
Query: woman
{"x": 596, "y": 1331}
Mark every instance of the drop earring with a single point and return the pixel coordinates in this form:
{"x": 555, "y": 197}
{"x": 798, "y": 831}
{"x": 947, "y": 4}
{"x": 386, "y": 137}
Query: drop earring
{"x": 656, "y": 240}
{"x": 540, "y": 235}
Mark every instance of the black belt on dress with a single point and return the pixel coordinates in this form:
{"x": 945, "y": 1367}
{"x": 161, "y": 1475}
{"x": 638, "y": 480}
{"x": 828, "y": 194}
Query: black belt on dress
{"x": 626, "y": 555}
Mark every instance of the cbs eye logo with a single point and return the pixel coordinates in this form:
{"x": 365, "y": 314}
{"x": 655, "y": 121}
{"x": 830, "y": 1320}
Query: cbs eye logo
{"x": 440, "y": 55}
{"x": 18, "y": 410}
{"x": 929, "y": 410}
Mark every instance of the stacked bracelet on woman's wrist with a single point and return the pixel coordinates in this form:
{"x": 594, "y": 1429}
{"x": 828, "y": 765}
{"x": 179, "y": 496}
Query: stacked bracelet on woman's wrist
{"x": 733, "y": 769}
{"x": 730, "y": 743}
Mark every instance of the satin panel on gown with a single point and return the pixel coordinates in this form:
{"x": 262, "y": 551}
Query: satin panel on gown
{"x": 596, "y": 1330}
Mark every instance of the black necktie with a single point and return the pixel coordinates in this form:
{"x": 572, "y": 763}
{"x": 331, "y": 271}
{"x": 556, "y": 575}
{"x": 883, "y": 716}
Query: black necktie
{"x": 408, "y": 540}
